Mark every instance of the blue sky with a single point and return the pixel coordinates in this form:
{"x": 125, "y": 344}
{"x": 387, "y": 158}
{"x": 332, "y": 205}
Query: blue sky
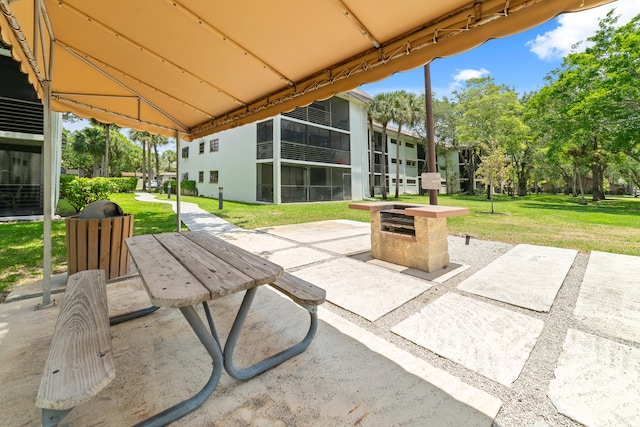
{"x": 520, "y": 61}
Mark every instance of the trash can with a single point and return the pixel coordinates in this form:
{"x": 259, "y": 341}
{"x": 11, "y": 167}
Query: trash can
{"x": 95, "y": 239}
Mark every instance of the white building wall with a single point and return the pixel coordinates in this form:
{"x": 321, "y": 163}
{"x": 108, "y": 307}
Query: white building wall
{"x": 235, "y": 162}
{"x": 409, "y": 183}
{"x": 359, "y": 150}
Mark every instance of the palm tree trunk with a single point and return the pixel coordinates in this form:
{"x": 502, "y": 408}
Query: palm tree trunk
{"x": 383, "y": 166}
{"x": 144, "y": 166}
{"x": 372, "y": 161}
{"x": 149, "y": 169}
{"x": 106, "y": 150}
{"x": 398, "y": 162}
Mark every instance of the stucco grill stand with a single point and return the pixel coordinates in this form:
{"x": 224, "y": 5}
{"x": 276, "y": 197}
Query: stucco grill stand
{"x": 410, "y": 235}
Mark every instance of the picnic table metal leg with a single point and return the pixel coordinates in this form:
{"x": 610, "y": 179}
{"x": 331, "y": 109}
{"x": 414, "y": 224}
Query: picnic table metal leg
{"x": 213, "y": 348}
{"x": 132, "y": 315}
{"x": 270, "y": 362}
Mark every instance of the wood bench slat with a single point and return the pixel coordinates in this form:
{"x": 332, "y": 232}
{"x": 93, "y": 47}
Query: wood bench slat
{"x": 219, "y": 277}
{"x": 167, "y": 282}
{"x": 80, "y": 362}
{"x": 299, "y": 290}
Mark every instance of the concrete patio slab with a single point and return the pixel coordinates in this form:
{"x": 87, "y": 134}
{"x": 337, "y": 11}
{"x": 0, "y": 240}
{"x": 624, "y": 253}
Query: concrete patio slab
{"x": 255, "y": 242}
{"x": 320, "y": 230}
{"x": 527, "y": 276}
{"x": 296, "y": 257}
{"x": 490, "y": 340}
{"x": 438, "y": 276}
{"x": 610, "y": 295}
{"x": 362, "y": 288}
{"x": 159, "y": 361}
{"x": 347, "y": 245}
{"x": 597, "y": 381}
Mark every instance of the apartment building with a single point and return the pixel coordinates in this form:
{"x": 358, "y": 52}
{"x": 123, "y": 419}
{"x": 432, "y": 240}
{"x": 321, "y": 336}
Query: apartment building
{"x": 312, "y": 154}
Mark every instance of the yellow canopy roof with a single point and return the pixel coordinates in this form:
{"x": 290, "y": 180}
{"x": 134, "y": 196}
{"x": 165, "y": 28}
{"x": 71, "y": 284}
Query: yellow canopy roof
{"x": 203, "y": 66}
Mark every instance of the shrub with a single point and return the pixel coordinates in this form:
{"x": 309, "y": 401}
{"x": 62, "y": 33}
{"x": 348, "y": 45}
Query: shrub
{"x": 123, "y": 185}
{"x": 82, "y": 191}
{"x": 187, "y": 188}
{"x": 65, "y": 180}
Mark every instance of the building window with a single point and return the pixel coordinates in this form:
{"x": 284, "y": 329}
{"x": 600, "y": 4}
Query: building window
{"x": 214, "y": 145}
{"x": 409, "y": 145}
{"x": 201, "y": 176}
{"x": 185, "y": 153}
{"x": 395, "y": 161}
{"x": 265, "y": 131}
{"x": 411, "y": 181}
{"x": 314, "y": 144}
{"x": 393, "y": 141}
{"x": 213, "y": 177}
{"x": 411, "y": 163}
{"x": 185, "y": 176}
{"x": 201, "y": 148}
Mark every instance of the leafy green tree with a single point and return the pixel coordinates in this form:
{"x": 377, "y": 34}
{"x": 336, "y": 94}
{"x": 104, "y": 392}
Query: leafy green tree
{"x": 494, "y": 168}
{"x": 589, "y": 108}
{"x": 489, "y": 116}
{"x": 124, "y": 155}
{"x": 90, "y": 141}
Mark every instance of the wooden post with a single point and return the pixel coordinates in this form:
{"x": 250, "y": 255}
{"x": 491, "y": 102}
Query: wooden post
{"x": 431, "y": 142}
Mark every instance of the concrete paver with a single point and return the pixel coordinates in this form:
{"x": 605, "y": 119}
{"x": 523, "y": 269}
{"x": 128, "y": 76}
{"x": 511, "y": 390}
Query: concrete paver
{"x": 596, "y": 381}
{"x": 296, "y": 257}
{"x": 610, "y": 295}
{"x": 490, "y": 340}
{"x": 319, "y": 231}
{"x": 348, "y": 245}
{"x": 527, "y": 276}
{"x": 259, "y": 243}
{"x": 368, "y": 290}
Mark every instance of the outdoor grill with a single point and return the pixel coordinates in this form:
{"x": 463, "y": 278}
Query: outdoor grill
{"x": 395, "y": 221}
{"x": 413, "y": 236}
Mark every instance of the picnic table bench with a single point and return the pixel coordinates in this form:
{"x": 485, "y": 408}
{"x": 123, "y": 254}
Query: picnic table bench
{"x": 178, "y": 270}
{"x": 80, "y": 361}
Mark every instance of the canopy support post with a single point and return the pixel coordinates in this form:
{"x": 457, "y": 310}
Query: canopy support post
{"x": 47, "y": 196}
{"x": 178, "y": 180}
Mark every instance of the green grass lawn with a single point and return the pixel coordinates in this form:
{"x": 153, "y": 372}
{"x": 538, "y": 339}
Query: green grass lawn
{"x": 612, "y": 225}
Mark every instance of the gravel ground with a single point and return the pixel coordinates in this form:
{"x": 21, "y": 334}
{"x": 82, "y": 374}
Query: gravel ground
{"x": 524, "y": 403}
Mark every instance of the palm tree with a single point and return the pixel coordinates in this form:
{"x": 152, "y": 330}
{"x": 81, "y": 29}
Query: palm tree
{"x": 372, "y": 156}
{"x": 158, "y": 141}
{"x": 145, "y": 139}
{"x": 106, "y": 128}
{"x": 380, "y": 110}
{"x": 405, "y": 111}
{"x": 90, "y": 140}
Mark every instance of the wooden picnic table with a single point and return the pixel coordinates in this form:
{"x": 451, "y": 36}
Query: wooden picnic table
{"x": 182, "y": 270}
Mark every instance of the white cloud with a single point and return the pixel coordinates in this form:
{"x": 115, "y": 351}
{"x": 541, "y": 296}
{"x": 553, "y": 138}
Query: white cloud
{"x": 575, "y": 27}
{"x": 462, "y": 76}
